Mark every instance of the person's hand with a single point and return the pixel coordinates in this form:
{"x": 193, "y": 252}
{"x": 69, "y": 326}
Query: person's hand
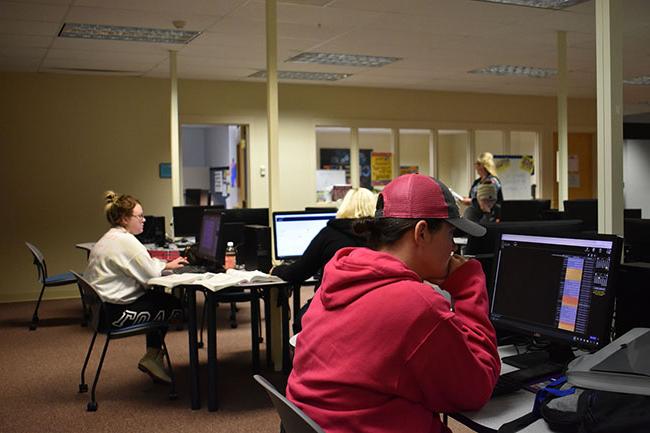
{"x": 455, "y": 262}
{"x": 178, "y": 262}
{"x": 466, "y": 201}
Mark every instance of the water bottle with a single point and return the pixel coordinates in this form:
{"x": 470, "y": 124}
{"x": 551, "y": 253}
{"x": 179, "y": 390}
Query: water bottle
{"x": 230, "y": 256}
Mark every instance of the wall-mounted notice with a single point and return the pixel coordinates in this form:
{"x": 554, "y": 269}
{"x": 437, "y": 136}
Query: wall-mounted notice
{"x": 514, "y": 172}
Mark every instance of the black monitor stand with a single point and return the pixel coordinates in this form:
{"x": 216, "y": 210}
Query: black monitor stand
{"x": 553, "y": 353}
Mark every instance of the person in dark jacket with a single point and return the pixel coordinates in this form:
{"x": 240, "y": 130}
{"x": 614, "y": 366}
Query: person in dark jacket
{"x": 357, "y": 203}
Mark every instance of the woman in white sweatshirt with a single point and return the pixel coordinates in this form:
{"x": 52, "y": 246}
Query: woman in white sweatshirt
{"x": 119, "y": 267}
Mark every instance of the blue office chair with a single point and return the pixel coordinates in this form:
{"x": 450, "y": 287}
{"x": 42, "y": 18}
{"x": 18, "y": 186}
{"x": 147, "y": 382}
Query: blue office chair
{"x": 53, "y": 281}
{"x": 101, "y": 325}
{"x": 292, "y": 418}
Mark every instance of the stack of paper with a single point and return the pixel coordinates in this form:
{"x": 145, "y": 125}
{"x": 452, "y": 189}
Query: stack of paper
{"x": 214, "y": 282}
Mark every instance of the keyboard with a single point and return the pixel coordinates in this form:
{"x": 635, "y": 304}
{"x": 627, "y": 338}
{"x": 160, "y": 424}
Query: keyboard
{"x": 515, "y": 380}
{"x": 506, "y": 385}
{"x": 191, "y": 269}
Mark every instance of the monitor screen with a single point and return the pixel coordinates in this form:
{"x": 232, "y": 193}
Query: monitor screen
{"x": 556, "y": 287}
{"x": 153, "y": 231}
{"x": 187, "y": 219}
{"x": 209, "y": 237}
{"x": 293, "y": 231}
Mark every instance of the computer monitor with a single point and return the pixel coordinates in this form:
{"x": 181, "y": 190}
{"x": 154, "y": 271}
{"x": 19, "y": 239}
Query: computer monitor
{"x": 487, "y": 244}
{"x": 153, "y": 231}
{"x": 583, "y": 209}
{"x": 187, "y": 219}
{"x": 209, "y": 236}
{"x": 523, "y": 210}
{"x": 559, "y": 288}
{"x": 293, "y": 231}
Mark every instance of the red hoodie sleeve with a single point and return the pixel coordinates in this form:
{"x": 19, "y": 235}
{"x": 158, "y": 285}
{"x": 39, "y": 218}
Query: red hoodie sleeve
{"x": 456, "y": 365}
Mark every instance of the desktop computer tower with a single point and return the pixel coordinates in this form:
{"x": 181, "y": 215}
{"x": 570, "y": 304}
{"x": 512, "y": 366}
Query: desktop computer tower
{"x": 632, "y": 297}
{"x": 257, "y": 248}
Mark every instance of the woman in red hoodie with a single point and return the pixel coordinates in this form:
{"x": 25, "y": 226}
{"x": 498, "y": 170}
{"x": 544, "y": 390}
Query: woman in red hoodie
{"x": 382, "y": 351}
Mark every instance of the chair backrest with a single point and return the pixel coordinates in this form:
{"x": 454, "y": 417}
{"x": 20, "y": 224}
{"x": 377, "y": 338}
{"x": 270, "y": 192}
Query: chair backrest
{"x": 39, "y": 261}
{"x": 92, "y": 301}
{"x": 293, "y": 419}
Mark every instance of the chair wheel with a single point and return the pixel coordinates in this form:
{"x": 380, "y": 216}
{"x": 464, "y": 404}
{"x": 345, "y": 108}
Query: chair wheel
{"x": 199, "y": 345}
{"x": 32, "y": 326}
{"x": 233, "y": 325}
{"x": 83, "y": 387}
{"x": 92, "y": 406}
{"x": 173, "y": 396}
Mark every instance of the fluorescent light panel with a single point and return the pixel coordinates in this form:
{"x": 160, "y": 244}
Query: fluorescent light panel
{"x": 643, "y": 80}
{"x": 121, "y": 33}
{"x": 301, "y": 75}
{"x": 340, "y": 59}
{"x": 523, "y": 71}
{"x": 544, "y": 4}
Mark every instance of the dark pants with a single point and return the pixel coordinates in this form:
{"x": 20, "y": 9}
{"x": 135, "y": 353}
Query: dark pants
{"x": 153, "y": 306}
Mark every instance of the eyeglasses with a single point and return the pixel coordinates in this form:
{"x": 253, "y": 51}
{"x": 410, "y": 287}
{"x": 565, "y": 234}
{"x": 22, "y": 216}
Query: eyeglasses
{"x": 140, "y": 217}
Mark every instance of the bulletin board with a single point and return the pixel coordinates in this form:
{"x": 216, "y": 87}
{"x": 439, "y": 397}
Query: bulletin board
{"x": 515, "y": 173}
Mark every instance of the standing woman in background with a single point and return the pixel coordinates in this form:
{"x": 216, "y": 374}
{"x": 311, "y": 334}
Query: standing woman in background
{"x": 119, "y": 267}
{"x": 486, "y": 170}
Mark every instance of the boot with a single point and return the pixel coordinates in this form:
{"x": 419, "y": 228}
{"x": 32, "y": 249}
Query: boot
{"x": 152, "y": 364}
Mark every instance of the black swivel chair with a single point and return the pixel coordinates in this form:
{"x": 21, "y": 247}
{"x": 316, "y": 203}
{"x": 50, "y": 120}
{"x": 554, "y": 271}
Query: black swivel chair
{"x": 101, "y": 325}
{"x": 292, "y": 418}
{"x": 50, "y": 281}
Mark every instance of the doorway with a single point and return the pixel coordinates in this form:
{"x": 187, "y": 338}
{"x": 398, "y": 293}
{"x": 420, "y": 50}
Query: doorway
{"x": 213, "y": 165}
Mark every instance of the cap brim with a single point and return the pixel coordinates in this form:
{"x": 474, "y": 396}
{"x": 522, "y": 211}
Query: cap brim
{"x": 469, "y": 227}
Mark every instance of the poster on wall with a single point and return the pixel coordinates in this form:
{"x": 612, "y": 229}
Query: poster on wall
{"x": 515, "y": 173}
{"x": 339, "y": 159}
{"x": 381, "y": 168}
{"x": 409, "y": 169}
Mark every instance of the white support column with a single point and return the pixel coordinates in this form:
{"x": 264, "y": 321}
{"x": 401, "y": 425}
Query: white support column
{"x": 274, "y": 162}
{"x": 471, "y": 155}
{"x": 433, "y": 153}
{"x": 562, "y": 128}
{"x": 395, "y": 151}
{"x": 354, "y": 157}
{"x": 609, "y": 83}
{"x": 174, "y": 132}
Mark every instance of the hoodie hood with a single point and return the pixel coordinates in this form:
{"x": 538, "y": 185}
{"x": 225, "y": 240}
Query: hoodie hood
{"x": 346, "y": 226}
{"x": 353, "y": 272}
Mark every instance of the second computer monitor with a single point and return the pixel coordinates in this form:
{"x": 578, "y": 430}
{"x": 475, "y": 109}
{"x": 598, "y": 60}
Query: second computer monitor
{"x": 556, "y": 287}
{"x": 187, "y": 219}
{"x": 209, "y": 236}
{"x": 293, "y": 231}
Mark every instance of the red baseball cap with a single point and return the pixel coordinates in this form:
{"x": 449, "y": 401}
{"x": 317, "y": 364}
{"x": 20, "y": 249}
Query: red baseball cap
{"x": 419, "y": 196}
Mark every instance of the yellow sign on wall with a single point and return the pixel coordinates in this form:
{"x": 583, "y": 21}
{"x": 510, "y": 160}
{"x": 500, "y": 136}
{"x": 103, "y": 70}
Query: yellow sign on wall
{"x": 382, "y": 168}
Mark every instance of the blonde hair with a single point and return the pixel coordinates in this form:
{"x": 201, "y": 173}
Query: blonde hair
{"x": 486, "y": 159}
{"x": 357, "y": 203}
{"x": 118, "y": 207}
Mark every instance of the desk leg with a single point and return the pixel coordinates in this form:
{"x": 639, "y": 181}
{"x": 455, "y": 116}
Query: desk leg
{"x": 212, "y": 351}
{"x": 296, "y": 306}
{"x": 267, "y": 327}
{"x": 283, "y": 293}
{"x": 194, "y": 350}
{"x": 255, "y": 333}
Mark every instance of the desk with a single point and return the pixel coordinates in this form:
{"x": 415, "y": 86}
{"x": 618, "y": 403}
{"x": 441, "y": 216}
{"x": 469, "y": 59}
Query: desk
{"x": 503, "y": 409}
{"x": 311, "y": 281}
{"x": 256, "y": 289}
{"x": 85, "y": 246}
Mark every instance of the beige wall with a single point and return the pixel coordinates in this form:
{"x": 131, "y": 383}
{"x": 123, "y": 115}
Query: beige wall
{"x": 67, "y": 138}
